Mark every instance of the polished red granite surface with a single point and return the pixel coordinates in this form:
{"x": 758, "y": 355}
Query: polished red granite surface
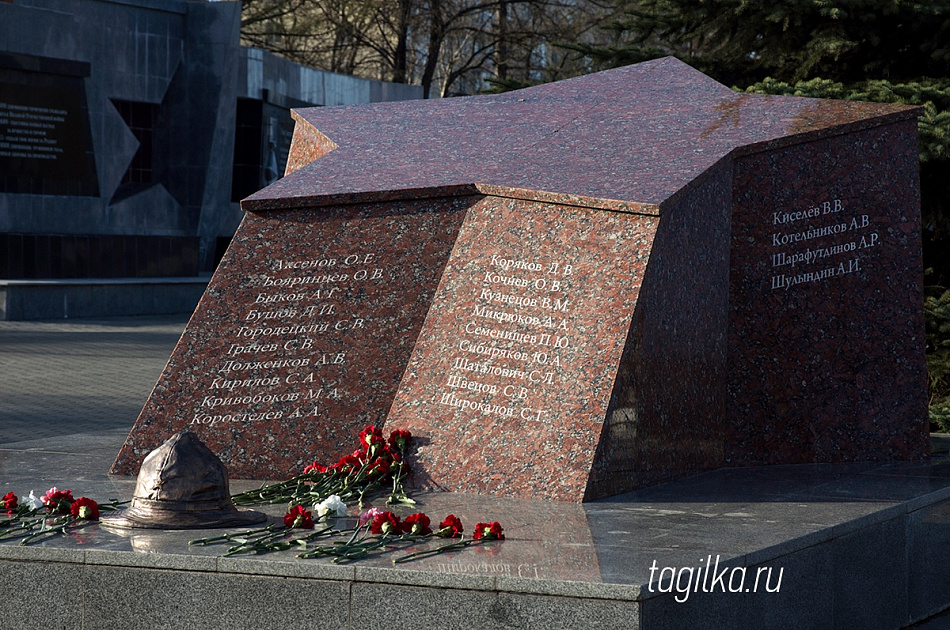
{"x": 300, "y": 339}
{"x": 825, "y": 328}
{"x": 517, "y": 358}
{"x": 568, "y": 291}
{"x": 636, "y": 134}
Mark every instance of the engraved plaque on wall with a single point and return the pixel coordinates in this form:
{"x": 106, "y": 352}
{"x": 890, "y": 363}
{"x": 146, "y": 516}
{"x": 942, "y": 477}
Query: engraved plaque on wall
{"x": 45, "y": 141}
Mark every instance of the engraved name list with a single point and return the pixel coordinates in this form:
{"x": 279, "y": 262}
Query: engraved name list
{"x": 288, "y": 354}
{"x": 818, "y": 243}
{"x": 514, "y": 341}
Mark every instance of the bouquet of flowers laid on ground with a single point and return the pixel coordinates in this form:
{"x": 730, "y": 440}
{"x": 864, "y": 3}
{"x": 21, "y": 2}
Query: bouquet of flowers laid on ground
{"x": 378, "y": 463}
{"x": 387, "y": 533}
{"x": 56, "y": 513}
{"x": 376, "y": 532}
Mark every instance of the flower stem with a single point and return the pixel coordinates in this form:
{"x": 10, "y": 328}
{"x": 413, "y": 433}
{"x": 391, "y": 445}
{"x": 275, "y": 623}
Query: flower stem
{"x": 113, "y": 504}
{"x": 23, "y": 526}
{"x": 232, "y": 536}
{"x": 462, "y": 544}
{"x": 46, "y": 532}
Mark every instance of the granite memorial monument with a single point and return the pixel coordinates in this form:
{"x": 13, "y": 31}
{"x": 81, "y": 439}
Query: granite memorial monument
{"x": 568, "y": 291}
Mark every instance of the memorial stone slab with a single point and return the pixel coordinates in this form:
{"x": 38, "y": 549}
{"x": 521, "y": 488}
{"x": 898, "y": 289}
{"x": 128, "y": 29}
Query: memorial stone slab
{"x": 568, "y": 291}
{"x": 45, "y": 141}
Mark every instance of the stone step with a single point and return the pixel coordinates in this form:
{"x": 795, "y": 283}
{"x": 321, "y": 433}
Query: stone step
{"x": 98, "y": 297}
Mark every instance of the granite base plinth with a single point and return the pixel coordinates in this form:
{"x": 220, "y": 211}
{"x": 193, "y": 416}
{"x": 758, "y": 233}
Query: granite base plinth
{"x": 864, "y": 545}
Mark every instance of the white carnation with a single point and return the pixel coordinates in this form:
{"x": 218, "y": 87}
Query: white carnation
{"x": 331, "y": 506}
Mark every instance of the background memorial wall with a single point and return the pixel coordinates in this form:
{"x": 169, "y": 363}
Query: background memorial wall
{"x": 126, "y": 146}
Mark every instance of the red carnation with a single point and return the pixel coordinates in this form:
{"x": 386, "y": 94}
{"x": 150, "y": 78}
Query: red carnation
{"x": 349, "y": 463}
{"x": 488, "y": 531}
{"x": 379, "y": 467}
{"x": 9, "y": 502}
{"x": 450, "y": 527}
{"x": 385, "y": 523}
{"x": 315, "y": 468}
{"x": 399, "y": 440}
{"x": 299, "y": 518}
{"x": 371, "y": 437}
{"x": 85, "y": 509}
{"x": 57, "y": 500}
{"x": 417, "y": 525}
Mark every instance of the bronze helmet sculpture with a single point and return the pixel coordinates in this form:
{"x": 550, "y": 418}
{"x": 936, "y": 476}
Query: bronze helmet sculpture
{"x": 182, "y": 485}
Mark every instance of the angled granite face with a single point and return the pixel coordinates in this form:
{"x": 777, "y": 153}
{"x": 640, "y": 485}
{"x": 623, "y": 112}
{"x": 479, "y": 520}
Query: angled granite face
{"x": 825, "y": 331}
{"x": 569, "y": 291}
{"x": 302, "y": 337}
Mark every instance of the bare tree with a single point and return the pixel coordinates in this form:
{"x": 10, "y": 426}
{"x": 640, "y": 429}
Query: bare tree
{"x": 446, "y": 46}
